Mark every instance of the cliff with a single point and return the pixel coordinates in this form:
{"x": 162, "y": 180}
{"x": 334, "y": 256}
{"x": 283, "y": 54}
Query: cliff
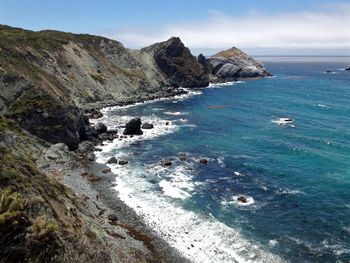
{"x": 46, "y": 77}
{"x": 47, "y": 81}
{"x": 179, "y": 66}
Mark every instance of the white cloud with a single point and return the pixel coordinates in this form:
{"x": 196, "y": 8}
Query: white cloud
{"x": 319, "y": 29}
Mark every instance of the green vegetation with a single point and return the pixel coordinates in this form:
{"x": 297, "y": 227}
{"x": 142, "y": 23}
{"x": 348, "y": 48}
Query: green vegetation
{"x": 42, "y": 227}
{"x": 11, "y": 205}
{"x": 30, "y": 101}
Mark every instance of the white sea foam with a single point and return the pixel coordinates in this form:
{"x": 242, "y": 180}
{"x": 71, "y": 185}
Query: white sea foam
{"x": 273, "y": 243}
{"x": 175, "y": 113}
{"x": 173, "y": 191}
{"x": 190, "y": 93}
{"x": 335, "y": 248}
{"x": 200, "y": 238}
{"x": 238, "y": 173}
{"x": 290, "y": 192}
{"x": 229, "y": 83}
{"x": 221, "y": 161}
{"x": 249, "y": 201}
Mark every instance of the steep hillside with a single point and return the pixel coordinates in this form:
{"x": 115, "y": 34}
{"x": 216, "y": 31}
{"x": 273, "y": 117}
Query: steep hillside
{"x": 49, "y": 80}
{"x": 46, "y": 77}
{"x": 40, "y": 219}
{"x": 180, "y": 67}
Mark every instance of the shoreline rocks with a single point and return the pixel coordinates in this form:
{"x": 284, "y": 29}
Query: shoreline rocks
{"x": 101, "y": 127}
{"x": 133, "y": 127}
{"x": 165, "y": 163}
{"x": 112, "y": 160}
{"x": 147, "y": 126}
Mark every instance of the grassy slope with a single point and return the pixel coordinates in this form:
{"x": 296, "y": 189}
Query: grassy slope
{"x": 40, "y": 219}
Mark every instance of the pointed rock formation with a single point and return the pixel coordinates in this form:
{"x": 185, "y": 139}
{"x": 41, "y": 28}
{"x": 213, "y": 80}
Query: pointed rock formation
{"x": 179, "y": 66}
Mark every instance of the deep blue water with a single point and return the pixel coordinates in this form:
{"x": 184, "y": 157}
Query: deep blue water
{"x": 298, "y": 176}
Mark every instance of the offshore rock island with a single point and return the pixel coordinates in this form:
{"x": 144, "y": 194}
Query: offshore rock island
{"x": 51, "y": 84}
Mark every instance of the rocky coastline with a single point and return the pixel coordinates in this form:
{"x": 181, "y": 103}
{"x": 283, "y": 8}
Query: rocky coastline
{"x": 57, "y": 204}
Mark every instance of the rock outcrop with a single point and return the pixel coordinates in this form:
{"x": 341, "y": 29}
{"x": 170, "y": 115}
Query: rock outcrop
{"x": 133, "y": 127}
{"x": 49, "y": 82}
{"x": 233, "y": 64}
{"x": 179, "y": 66}
{"x": 47, "y": 77}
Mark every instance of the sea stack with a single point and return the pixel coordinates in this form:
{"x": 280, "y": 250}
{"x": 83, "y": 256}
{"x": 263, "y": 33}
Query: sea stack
{"x": 233, "y": 64}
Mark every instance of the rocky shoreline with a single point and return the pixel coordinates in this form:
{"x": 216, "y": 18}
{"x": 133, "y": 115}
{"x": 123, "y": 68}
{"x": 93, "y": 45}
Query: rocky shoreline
{"x": 93, "y": 183}
{"x": 52, "y": 84}
{"x": 124, "y": 231}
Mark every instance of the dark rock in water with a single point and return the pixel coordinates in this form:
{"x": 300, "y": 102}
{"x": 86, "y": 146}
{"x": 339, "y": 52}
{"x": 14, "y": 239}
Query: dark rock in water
{"x": 165, "y": 162}
{"x": 203, "y": 161}
{"x": 112, "y": 131}
{"x": 347, "y": 68}
{"x": 329, "y": 71}
{"x": 133, "y": 127}
{"x": 101, "y": 127}
{"x": 167, "y": 123}
{"x": 242, "y": 199}
{"x": 112, "y": 217}
{"x": 147, "y": 126}
{"x": 182, "y": 158}
{"x": 123, "y": 162}
{"x": 112, "y": 160}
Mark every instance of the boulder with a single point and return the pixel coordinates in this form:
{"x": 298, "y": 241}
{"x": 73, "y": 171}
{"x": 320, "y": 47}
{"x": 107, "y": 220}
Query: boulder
{"x": 347, "y": 68}
{"x": 165, "y": 162}
{"x": 203, "y": 161}
{"x": 101, "y": 127}
{"x": 133, "y": 127}
{"x": 242, "y": 199}
{"x": 123, "y": 162}
{"x": 147, "y": 126}
{"x": 90, "y": 133}
{"x": 112, "y": 160}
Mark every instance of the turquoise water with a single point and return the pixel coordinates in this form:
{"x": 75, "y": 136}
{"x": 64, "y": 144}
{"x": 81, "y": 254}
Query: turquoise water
{"x": 296, "y": 177}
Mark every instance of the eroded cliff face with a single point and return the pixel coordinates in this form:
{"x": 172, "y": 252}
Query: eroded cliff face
{"x": 179, "y": 66}
{"x": 47, "y": 77}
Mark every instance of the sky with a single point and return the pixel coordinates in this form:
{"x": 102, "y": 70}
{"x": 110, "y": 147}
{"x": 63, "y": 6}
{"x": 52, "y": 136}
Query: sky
{"x": 269, "y": 27}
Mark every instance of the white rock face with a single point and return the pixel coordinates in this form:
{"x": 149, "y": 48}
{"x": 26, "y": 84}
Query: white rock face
{"x": 234, "y": 64}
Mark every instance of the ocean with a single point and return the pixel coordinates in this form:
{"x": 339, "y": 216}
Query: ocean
{"x": 295, "y": 177}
